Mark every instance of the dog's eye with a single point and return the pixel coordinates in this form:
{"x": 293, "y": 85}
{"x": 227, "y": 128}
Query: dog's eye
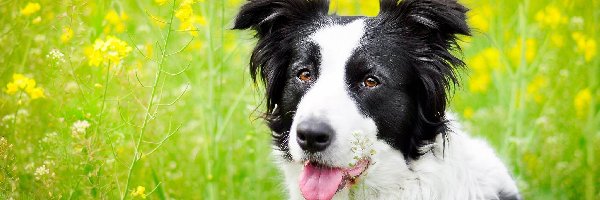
{"x": 304, "y": 75}
{"x": 370, "y": 82}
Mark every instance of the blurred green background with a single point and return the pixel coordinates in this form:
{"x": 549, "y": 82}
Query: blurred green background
{"x": 152, "y": 99}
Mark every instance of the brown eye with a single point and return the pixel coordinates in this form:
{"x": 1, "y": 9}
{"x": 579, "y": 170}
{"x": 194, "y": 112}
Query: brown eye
{"x": 304, "y": 75}
{"x": 371, "y": 82}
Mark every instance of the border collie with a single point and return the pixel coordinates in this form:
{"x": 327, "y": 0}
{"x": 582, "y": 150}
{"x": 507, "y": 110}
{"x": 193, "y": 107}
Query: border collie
{"x": 357, "y": 105}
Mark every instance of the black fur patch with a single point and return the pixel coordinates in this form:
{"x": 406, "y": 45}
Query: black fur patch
{"x": 418, "y": 36}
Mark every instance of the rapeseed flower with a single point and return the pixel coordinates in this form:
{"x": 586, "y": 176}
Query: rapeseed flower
{"x": 535, "y": 87}
{"x": 22, "y": 83}
{"x": 550, "y": 17}
{"x": 112, "y": 50}
{"x": 582, "y": 102}
{"x": 115, "y": 21}
{"x": 585, "y": 45}
{"x": 345, "y": 7}
{"x": 528, "y": 50}
{"x": 139, "y": 191}
{"x": 369, "y": 8}
{"x": 480, "y": 18}
{"x": 187, "y": 18}
{"x": 30, "y": 8}
{"x": 67, "y": 35}
{"x": 483, "y": 64}
{"x": 160, "y": 2}
{"x": 479, "y": 83}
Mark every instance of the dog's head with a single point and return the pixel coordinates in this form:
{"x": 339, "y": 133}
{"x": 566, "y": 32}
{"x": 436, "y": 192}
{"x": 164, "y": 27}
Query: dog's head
{"x": 338, "y": 86}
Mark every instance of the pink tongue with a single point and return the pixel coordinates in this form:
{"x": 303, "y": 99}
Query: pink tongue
{"x": 318, "y": 183}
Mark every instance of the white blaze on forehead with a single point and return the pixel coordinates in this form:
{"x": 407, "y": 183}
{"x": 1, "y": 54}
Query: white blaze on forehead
{"x": 337, "y": 43}
{"x": 329, "y": 100}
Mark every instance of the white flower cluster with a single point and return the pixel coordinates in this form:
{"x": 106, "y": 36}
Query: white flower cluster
{"x": 40, "y": 172}
{"x": 8, "y": 120}
{"x": 56, "y": 56}
{"x": 362, "y": 147}
{"x": 79, "y": 127}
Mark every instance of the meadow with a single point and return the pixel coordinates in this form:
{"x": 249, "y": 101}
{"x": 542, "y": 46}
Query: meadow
{"x": 153, "y": 100}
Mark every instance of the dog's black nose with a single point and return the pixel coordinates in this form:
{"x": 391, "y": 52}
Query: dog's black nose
{"x": 314, "y": 136}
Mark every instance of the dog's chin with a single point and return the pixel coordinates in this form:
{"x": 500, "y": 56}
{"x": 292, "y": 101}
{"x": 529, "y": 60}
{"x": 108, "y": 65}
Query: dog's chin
{"x": 321, "y": 181}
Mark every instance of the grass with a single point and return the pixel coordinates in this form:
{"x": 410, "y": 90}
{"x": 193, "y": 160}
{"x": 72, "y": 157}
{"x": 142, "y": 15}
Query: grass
{"x": 175, "y": 112}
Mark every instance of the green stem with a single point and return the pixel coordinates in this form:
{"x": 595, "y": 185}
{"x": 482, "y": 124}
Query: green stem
{"x": 16, "y": 114}
{"x": 103, "y": 98}
{"x": 137, "y": 155}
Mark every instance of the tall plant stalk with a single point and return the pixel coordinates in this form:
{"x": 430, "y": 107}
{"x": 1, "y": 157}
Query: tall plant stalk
{"x": 159, "y": 73}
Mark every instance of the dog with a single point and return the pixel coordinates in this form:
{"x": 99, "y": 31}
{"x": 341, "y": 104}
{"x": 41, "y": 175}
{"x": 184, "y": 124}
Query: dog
{"x": 357, "y": 105}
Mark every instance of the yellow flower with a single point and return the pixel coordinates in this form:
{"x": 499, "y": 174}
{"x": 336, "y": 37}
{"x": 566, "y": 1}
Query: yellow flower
{"x": 468, "y": 113}
{"x": 112, "y": 50}
{"x": 116, "y": 21}
{"x": 535, "y": 87}
{"x": 479, "y": 83}
{"x": 369, "y": 8}
{"x": 342, "y": 7}
{"x": 201, "y": 20}
{"x": 23, "y": 83}
{"x": 30, "y": 8}
{"x": 94, "y": 55}
{"x": 529, "y": 51}
{"x": 185, "y": 10}
{"x": 582, "y": 102}
{"x": 11, "y": 88}
{"x": 345, "y": 7}
{"x": 67, "y": 35}
{"x": 149, "y": 50}
{"x": 585, "y": 45}
{"x": 550, "y": 17}
{"x": 160, "y": 2}
{"x": 35, "y": 93}
{"x": 482, "y": 64}
{"x": 185, "y": 14}
{"x": 480, "y": 18}
{"x": 139, "y": 192}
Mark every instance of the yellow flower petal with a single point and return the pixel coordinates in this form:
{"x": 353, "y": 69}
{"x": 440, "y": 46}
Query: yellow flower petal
{"x": 11, "y": 88}
{"x": 30, "y": 8}
{"x": 582, "y": 102}
{"x": 36, "y": 93}
{"x": 67, "y": 35}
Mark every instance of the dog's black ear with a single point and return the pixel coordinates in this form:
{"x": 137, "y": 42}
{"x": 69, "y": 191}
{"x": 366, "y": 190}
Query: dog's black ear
{"x": 429, "y": 28}
{"x": 266, "y": 16}
{"x": 434, "y": 26}
{"x": 444, "y": 18}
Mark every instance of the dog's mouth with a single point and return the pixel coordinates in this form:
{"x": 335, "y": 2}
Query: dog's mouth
{"x": 320, "y": 182}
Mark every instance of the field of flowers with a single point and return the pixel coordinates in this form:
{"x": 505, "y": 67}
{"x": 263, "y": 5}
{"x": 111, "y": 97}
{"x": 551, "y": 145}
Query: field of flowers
{"x": 152, "y": 99}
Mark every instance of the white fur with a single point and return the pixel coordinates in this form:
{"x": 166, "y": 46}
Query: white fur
{"x": 466, "y": 168}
